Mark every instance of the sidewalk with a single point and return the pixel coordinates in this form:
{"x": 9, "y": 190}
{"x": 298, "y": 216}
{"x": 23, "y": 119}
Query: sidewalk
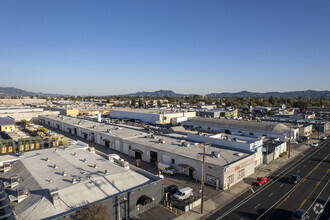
{"x": 226, "y": 197}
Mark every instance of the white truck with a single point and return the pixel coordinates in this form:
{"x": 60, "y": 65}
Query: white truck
{"x": 166, "y": 168}
{"x": 184, "y": 193}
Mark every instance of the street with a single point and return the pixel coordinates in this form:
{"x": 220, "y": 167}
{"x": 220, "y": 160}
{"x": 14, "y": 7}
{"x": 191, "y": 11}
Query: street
{"x": 278, "y": 198}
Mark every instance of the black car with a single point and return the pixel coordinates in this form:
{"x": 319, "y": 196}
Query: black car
{"x": 300, "y": 214}
{"x": 294, "y": 179}
{"x": 171, "y": 189}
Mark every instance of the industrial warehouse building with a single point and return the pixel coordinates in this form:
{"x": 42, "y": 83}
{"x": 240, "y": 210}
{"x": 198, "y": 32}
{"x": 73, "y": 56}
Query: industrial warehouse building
{"x": 153, "y": 116}
{"x": 246, "y": 128}
{"x": 55, "y": 183}
{"x": 235, "y": 142}
{"x": 223, "y": 166}
{"x": 19, "y": 113}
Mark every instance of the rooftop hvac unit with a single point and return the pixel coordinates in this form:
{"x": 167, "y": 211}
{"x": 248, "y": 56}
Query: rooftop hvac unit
{"x": 161, "y": 141}
{"x": 216, "y": 154}
{"x": 22, "y": 192}
{"x": 185, "y": 144}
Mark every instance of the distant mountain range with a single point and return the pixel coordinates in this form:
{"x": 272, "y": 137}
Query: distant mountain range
{"x": 11, "y": 91}
{"x": 159, "y": 93}
{"x": 304, "y": 94}
{"x": 295, "y": 94}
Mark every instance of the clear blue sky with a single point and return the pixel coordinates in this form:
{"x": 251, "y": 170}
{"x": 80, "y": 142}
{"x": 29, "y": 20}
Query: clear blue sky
{"x": 116, "y": 47}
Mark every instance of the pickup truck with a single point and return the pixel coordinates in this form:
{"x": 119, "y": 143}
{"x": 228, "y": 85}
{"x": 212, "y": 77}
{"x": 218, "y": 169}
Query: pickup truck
{"x": 259, "y": 181}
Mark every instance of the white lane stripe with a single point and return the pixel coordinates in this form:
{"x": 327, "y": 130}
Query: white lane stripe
{"x": 252, "y": 190}
{"x": 278, "y": 176}
{"x": 281, "y": 184}
{"x": 270, "y": 195}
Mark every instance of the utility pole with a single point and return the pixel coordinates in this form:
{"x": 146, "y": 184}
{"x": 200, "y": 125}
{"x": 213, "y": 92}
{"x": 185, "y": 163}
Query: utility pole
{"x": 203, "y": 179}
{"x": 289, "y": 142}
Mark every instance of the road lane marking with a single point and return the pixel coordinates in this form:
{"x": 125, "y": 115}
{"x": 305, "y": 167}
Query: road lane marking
{"x": 257, "y": 206}
{"x": 288, "y": 194}
{"x": 270, "y": 195}
{"x": 298, "y": 171}
{"x": 281, "y": 184}
{"x": 276, "y": 178}
{"x": 252, "y": 190}
{"x": 304, "y": 165}
{"x": 301, "y": 205}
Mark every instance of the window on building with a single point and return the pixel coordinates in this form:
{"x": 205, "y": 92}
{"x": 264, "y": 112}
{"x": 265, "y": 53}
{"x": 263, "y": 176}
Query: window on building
{"x": 173, "y": 161}
{"x": 251, "y": 134}
{"x": 10, "y": 149}
{"x": 230, "y": 179}
{"x": 129, "y": 147}
{"x": 4, "y": 149}
{"x": 209, "y": 128}
{"x": 241, "y": 173}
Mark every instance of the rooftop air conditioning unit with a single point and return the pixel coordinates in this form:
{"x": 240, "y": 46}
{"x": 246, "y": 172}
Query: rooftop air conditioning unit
{"x": 216, "y": 154}
{"x": 161, "y": 141}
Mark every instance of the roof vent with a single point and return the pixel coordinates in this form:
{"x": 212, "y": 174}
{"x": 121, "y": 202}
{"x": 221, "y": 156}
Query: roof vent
{"x": 95, "y": 166}
{"x": 238, "y": 154}
{"x": 73, "y": 181}
{"x": 94, "y": 126}
{"x": 55, "y": 150}
{"x": 64, "y": 173}
{"x": 55, "y": 166}
{"x": 185, "y": 144}
{"x": 216, "y": 154}
{"x": 162, "y": 141}
{"x": 47, "y": 159}
{"x": 234, "y": 139}
{"x": 85, "y": 160}
{"x": 75, "y": 154}
{"x": 109, "y": 131}
{"x": 106, "y": 172}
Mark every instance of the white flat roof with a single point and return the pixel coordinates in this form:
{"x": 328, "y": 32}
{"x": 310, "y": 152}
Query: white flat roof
{"x": 92, "y": 184}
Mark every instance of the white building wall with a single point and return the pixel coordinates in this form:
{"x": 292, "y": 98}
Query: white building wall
{"x": 244, "y": 132}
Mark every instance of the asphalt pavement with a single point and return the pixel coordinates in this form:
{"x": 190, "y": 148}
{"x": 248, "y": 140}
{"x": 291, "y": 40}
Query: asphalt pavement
{"x": 278, "y": 198}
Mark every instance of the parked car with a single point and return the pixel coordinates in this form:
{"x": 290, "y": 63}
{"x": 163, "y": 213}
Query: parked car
{"x": 171, "y": 189}
{"x": 324, "y": 137}
{"x": 300, "y": 214}
{"x": 315, "y": 144}
{"x": 183, "y": 193}
{"x": 294, "y": 179}
{"x": 166, "y": 168}
{"x": 260, "y": 181}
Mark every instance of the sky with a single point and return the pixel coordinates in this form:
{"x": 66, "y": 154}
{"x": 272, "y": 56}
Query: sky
{"x": 109, "y": 47}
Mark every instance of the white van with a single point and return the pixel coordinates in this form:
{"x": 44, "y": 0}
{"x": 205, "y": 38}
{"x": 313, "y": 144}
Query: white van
{"x": 166, "y": 168}
{"x": 183, "y": 193}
